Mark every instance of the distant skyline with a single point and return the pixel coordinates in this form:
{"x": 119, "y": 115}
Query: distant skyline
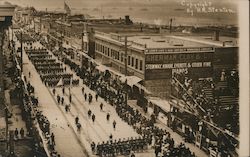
{"x": 147, "y": 11}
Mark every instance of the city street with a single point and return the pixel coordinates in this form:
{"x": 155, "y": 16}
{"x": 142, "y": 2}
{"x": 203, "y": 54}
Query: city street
{"x": 63, "y": 124}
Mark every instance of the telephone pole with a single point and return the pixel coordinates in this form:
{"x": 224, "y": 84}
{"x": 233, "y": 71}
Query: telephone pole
{"x": 126, "y": 55}
{"x": 126, "y": 70}
{"x": 34, "y": 24}
{"x": 40, "y": 24}
{"x": 21, "y": 63}
{"x": 82, "y": 41}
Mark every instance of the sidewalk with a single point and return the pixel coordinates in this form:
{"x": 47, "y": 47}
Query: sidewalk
{"x": 22, "y": 145}
{"x": 16, "y": 119}
{"x": 13, "y": 103}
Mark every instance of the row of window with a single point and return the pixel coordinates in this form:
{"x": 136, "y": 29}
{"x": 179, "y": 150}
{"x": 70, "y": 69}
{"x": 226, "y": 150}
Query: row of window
{"x": 132, "y": 61}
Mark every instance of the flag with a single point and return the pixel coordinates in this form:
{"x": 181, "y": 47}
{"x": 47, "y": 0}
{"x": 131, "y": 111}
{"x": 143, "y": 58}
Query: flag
{"x": 66, "y": 8}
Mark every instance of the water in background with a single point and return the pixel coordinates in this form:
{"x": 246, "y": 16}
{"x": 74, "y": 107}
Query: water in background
{"x": 157, "y": 15}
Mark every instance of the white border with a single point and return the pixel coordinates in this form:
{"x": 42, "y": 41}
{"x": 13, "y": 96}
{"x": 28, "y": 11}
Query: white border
{"x": 244, "y": 77}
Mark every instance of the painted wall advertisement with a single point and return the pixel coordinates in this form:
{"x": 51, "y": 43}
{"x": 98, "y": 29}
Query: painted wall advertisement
{"x": 162, "y": 66}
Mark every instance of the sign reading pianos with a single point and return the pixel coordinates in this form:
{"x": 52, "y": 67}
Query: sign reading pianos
{"x": 162, "y": 63}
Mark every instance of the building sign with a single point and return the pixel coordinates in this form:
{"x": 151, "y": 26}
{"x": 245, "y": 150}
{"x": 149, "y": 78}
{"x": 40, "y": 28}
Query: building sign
{"x": 195, "y": 49}
{"x": 178, "y": 58}
{"x": 162, "y": 66}
{"x": 178, "y": 65}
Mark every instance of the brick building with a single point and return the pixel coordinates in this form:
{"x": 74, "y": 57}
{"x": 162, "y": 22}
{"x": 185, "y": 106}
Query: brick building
{"x": 154, "y": 58}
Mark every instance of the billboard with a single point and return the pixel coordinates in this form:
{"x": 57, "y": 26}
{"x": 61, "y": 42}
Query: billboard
{"x": 162, "y": 66}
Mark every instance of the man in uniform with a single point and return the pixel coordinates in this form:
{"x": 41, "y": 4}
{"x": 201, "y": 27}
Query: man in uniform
{"x": 101, "y": 106}
{"x": 114, "y": 124}
{"x": 76, "y": 120}
{"x": 108, "y": 117}
{"x": 70, "y": 98}
{"x": 93, "y": 118}
{"x": 85, "y": 96}
{"x": 89, "y": 113}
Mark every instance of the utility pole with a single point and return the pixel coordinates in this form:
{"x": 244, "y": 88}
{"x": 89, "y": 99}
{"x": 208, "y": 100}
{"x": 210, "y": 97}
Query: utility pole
{"x": 40, "y": 24}
{"x": 7, "y": 126}
{"x": 126, "y": 55}
{"x": 82, "y": 41}
{"x": 12, "y": 144}
{"x": 12, "y": 34}
{"x": 21, "y": 52}
{"x": 34, "y": 24}
{"x": 126, "y": 70}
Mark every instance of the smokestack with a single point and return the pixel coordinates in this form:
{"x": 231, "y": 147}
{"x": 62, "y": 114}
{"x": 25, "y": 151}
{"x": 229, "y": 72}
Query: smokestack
{"x": 217, "y": 35}
{"x": 170, "y": 25}
{"x": 127, "y": 20}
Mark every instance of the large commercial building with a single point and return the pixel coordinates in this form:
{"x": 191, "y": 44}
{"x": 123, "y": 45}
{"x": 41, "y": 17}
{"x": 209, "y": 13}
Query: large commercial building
{"x": 154, "y": 58}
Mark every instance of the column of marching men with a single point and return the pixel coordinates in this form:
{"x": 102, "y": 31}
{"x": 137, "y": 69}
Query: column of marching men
{"x": 50, "y": 70}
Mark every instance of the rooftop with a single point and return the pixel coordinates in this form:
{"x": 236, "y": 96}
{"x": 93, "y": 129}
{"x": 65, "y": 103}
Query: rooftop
{"x": 223, "y": 41}
{"x": 156, "y": 41}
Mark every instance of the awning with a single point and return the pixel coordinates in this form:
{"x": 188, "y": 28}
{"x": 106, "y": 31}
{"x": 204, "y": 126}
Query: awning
{"x": 131, "y": 80}
{"x": 101, "y": 68}
{"x": 143, "y": 88}
{"x": 163, "y": 104}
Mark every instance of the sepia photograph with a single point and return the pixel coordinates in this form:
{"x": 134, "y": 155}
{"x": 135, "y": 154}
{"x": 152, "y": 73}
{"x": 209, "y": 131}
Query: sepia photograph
{"x": 124, "y": 78}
